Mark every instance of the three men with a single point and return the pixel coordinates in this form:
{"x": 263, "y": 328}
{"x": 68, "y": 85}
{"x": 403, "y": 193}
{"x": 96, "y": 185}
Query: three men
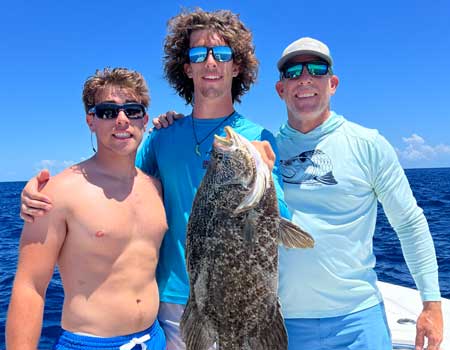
{"x": 334, "y": 173}
{"x": 104, "y": 232}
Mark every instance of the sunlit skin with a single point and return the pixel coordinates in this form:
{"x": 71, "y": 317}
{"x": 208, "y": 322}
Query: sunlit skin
{"x": 307, "y": 97}
{"x": 212, "y": 79}
{"x": 117, "y": 138}
{"x": 104, "y": 232}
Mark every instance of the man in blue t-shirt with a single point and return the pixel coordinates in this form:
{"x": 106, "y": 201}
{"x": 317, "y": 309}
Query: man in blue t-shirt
{"x": 210, "y": 61}
{"x": 334, "y": 172}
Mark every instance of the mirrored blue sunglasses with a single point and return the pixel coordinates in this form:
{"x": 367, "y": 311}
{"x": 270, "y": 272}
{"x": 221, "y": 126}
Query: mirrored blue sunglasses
{"x": 314, "y": 69}
{"x": 199, "y": 54}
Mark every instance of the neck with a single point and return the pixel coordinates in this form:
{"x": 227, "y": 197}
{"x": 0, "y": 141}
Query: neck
{"x": 212, "y": 108}
{"x": 305, "y": 125}
{"x": 121, "y": 167}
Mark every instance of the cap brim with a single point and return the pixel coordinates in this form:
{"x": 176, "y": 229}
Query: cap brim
{"x": 283, "y": 60}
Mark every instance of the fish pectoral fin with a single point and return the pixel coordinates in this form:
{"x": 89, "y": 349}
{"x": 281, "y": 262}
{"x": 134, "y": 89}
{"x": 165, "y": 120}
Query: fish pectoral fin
{"x": 292, "y": 236}
{"x": 248, "y": 231}
{"x": 194, "y": 331}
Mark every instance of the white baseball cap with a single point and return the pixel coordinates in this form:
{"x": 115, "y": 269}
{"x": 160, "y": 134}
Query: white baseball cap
{"x": 305, "y": 46}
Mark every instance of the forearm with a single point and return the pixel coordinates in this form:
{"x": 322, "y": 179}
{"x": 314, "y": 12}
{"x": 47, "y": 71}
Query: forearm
{"x": 24, "y": 322}
{"x": 418, "y": 250}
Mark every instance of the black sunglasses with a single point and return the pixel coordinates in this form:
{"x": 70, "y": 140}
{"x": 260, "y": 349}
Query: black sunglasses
{"x": 199, "y": 54}
{"x": 314, "y": 69}
{"x": 111, "y": 110}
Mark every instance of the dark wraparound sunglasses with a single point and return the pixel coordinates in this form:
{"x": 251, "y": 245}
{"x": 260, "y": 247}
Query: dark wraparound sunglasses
{"x": 220, "y": 53}
{"x": 111, "y": 110}
{"x": 296, "y": 70}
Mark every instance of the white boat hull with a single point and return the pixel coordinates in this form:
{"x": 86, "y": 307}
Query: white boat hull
{"x": 403, "y": 306}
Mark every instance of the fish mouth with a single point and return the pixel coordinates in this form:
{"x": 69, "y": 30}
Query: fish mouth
{"x": 225, "y": 142}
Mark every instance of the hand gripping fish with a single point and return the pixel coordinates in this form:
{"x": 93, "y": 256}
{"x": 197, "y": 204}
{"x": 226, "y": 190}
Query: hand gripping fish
{"x": 232, "y": 253}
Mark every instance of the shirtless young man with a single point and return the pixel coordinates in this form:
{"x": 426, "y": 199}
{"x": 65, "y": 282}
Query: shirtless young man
{"x": 104, "y": 232}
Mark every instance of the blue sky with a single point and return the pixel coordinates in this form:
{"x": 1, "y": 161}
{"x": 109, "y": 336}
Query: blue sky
{"x": 392, "y": 58}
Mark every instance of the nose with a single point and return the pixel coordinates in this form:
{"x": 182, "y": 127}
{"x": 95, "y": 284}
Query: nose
{"x": 305, "y": 77}
{"x": 122, "y": 118}
{"x": 210, "y": 60}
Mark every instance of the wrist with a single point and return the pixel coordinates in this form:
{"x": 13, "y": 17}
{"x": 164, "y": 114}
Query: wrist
{"x": 431, "y": 305}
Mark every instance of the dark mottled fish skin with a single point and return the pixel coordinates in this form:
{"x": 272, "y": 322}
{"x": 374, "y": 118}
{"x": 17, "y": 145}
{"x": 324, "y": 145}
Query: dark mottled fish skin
{"x": 232, "y": 260}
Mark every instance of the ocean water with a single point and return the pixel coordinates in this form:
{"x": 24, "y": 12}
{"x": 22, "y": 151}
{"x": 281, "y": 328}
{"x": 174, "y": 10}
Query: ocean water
{"x": 430, "y": 186}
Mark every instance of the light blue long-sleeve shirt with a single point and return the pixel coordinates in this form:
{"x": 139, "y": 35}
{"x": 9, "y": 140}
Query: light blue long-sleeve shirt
{"x": 333, "y": 177}
{"x": 169, "y": 154}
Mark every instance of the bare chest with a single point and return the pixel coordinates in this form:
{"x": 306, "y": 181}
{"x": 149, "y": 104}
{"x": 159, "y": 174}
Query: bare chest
{"x": 101, "y": 223}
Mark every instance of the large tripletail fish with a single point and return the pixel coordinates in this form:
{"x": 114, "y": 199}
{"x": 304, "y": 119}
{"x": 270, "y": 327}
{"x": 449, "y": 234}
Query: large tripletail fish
{"x": 232, "y": 253}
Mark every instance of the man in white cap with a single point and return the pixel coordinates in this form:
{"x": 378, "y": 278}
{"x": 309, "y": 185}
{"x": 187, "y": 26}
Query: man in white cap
{"x": 334, "y": 173}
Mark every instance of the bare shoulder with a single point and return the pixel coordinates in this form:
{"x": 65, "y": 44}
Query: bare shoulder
{"x": 150, "y": 181}
{"x": 61, "y": 187}
{"x": 51, "y": 228}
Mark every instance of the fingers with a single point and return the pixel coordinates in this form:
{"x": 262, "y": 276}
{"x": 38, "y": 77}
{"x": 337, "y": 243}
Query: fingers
{"x": 177, "y": 116}
{"x": 33, "y": 203}
{"x": 434, "y": 339}
{"x": 430, "y": 326}
{"x": 166, "y": 119}
{"x": 31, "y": 196}
{"x": 28, "y": 214}
{"x": 434, "y": 342}
{"x": 266, "y": 151}
{"x": 420, "y": 337}
{"x": 26, "y": 218}
{"x": 156, "y": 123}
{"x": 30, "y": 208}
{"x": 43, "y": 176}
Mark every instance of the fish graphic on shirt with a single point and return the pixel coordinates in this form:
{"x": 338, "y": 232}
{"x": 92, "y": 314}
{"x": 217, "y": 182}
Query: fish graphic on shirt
{"x": 309, "y": 167}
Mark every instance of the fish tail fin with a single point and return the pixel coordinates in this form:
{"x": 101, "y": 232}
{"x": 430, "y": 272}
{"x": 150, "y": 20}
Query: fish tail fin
{"x": 292, "y": 236}
{"x": 274, "y": 337}
{"x": 194, "y": 331}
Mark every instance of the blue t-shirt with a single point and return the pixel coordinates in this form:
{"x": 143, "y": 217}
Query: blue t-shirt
{"x": 333, "y": 177}
{"x": 169, "y": 154}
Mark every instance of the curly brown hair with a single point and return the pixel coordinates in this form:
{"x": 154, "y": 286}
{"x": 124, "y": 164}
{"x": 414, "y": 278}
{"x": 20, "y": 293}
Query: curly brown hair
{"x": 120, "y": 77}
{"x": 230, "y": 28}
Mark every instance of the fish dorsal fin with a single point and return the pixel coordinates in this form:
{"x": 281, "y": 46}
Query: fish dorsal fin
{"x": 262, "y": 180}
{"x": 292, "y": 236}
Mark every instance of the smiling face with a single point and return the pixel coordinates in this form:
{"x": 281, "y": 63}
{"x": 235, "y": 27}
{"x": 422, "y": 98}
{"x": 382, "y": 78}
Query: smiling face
{"x": 212, "y": 80}
{"x": 307, "y": 97}
{"x": 121, "y": 135}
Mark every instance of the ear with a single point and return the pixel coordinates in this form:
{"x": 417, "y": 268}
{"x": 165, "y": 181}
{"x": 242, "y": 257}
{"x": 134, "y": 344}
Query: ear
{"x": 188, "y": 70}
{"x": 90, "y": 121}
{"x": 236, "y": 70}
{"x": 145, "y": 121}
{"x": 334, "y": 82}
{"x": 279, "y": 86}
